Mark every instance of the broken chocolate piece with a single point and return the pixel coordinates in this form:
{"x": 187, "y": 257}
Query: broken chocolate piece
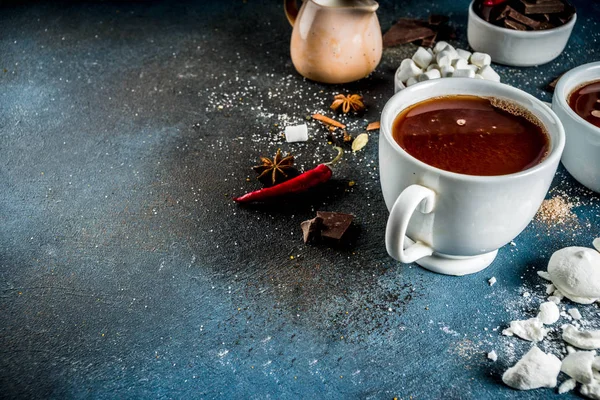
{"x": 406, "y": 31}
{"x": 334, "y": 224}
{"x": 429, "y": 41}
{"x": 545, "y": 7}
{"x": 512, "y": 24}
{"x": 533, "y": 14}
{"x": 517, "y": 16}
{"x": 311, "y": 229}
{"x": 545, "y": 25}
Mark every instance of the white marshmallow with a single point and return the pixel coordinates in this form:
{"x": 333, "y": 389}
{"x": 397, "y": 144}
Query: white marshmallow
{"x": 477, "y": 76}
{"x": 422, "y": 57}
{"x": 473, "y": 67}
{"x": 439, "y": 46}
{"x": 451, "y": 50}
{"x": 405, "y": 63}
{"x": 410, "y": 70}
{"x": 488, "y": 73}
{"x": 463, "y": 73}
{"x": 447, "y": 71}
{"x": 432, "y": 66}
{"x": 464, "y": 54}
{"x": 444, "y": 58}
{"x": 398, "y": 85}
{"x": 411, "y": 81}
{"x": 297, "y": 133}
{"x": 433, "y": 74}
{"x": 480, "y": 59}
{"x": 460, "y": 63}
{"x": 430, "y": 51}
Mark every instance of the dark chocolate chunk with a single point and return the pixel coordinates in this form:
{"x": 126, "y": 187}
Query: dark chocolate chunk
{"x": 517, "y": 16}
{"x": 334, "y": 224}
{"x": 533, "y": 14}
{"x": 406, "y": 31}
{"x": 512, "y": 24}
{"x": 311, "y": 229}
{"x": 545, "y": 7}
{"x": 545, "y": 25}
{"x": 429, "y": 41}
{"x": 504, "y": 13}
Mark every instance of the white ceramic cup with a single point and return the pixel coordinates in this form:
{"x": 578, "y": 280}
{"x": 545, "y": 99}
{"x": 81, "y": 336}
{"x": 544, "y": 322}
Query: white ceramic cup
{"x": 517, "y": 48}
{"x": 582, "y": 149}
{"x": 454, "y": 223}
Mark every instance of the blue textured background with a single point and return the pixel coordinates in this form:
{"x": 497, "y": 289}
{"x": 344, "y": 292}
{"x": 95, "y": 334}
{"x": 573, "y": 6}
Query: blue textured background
{"x": 127, "y": 272}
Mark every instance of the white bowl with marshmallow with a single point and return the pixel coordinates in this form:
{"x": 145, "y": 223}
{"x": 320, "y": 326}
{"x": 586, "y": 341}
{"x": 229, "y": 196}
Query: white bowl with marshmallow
{"x": 517, "y": 48}
{"x": 443, "y": 61}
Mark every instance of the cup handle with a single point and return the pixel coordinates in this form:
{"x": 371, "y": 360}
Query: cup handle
{"x": 412, "y": 198}
{"x": 291, "y": 10}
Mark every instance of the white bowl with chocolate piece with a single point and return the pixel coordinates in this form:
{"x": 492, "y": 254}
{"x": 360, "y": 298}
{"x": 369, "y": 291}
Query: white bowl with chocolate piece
{"x": 521, "y": 33}
{"x": 576, "y": 101}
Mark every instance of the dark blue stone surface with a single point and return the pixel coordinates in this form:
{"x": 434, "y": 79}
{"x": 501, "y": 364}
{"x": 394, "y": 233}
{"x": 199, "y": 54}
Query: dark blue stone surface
{"x": 126, "y": 271}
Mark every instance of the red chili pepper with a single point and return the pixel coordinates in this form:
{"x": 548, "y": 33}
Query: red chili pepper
{"x": 320, "y": 174}
{"x": 492, "y": 3}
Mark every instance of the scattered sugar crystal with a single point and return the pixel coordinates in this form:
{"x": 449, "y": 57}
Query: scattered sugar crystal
{"x": 492, "y": 355}
{"x": 492, "y": 280}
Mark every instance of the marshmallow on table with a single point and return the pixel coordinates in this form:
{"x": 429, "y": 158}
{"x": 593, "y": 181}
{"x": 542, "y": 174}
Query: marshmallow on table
{"x": 488, "y": 73}
{"x": 297, "y": 133}
{"x": 463, "y": 73}
{"x": 422, "y": 57}
{"x": 480, "y": 59}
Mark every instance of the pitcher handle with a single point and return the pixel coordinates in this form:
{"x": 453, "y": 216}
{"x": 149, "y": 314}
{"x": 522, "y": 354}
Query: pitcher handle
{"x": 412, "y": 198}
{"x": 291, "y": 10}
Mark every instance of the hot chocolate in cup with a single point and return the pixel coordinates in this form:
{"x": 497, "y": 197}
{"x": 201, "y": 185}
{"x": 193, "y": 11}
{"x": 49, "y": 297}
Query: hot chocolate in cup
{"x": 454, "y": 223}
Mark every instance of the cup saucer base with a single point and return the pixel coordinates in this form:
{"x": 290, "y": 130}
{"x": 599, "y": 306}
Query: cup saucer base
{"x": 458, "y": 266}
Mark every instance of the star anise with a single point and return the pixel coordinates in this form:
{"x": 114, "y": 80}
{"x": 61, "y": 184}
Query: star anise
{"x": 272, "y": 172}
{"x": 352, "y": 102}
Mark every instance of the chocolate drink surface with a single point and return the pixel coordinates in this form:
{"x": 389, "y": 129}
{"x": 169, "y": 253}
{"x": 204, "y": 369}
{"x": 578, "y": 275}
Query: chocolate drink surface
{"x": 585, "y": 101}
{"x": 472, "y": 135}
